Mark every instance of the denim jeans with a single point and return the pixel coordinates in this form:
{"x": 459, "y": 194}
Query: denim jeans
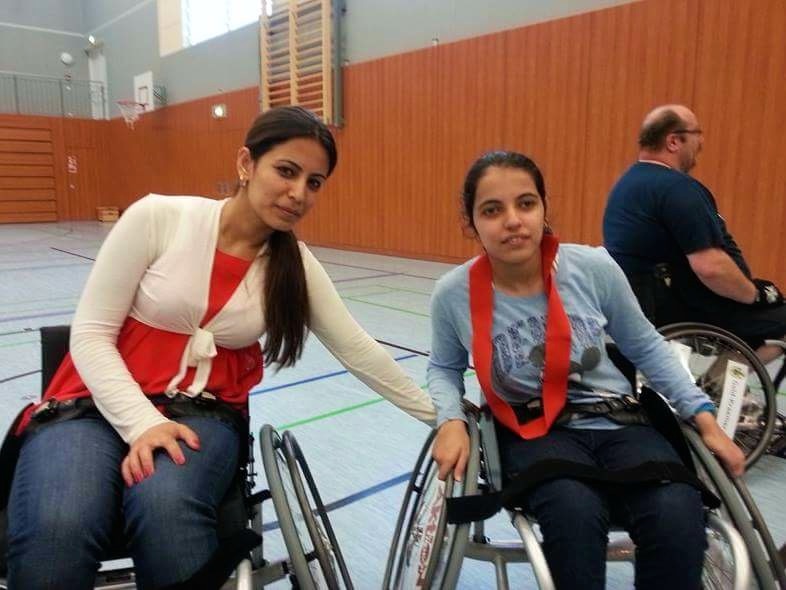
{"x": 68, "y": 500}
{"x": 665, "y": 521}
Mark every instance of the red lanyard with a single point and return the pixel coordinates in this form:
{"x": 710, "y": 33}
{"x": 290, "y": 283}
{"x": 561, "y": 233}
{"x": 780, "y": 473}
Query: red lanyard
{"x": 555, "y": 373}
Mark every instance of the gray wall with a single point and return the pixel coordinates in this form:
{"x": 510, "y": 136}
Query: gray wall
{"x": 33, "y": 34}
{"x": 65, "y": 15}
{"x": 374, "y": 28}
{"x": 371, "y": 29}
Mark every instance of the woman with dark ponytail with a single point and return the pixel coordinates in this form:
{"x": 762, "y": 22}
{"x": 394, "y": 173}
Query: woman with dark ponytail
{"x": 179, "y": 296}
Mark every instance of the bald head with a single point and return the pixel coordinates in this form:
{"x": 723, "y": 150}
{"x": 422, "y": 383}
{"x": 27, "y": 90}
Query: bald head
{"x": 670, "y": 134}
{"x": 662, "y": 121}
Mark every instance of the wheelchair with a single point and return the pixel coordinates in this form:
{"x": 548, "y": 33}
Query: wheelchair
{"x": 314, "y": 558}
{"x": 428, "y": 552}
{"x": 723, "y": 365}
{"x": 716, "y": 358}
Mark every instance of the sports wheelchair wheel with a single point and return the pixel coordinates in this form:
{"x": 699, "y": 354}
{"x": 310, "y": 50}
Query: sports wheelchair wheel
{"x": 712, "y": 356}
{"x": 426, "y": 552}
{"x": 314, "y": 554}
{"x": 739, "y": 509}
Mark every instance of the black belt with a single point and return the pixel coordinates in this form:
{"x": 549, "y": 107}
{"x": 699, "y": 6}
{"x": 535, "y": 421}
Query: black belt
{"x": 177, "y": 406}
{"x": 622, "y": 410}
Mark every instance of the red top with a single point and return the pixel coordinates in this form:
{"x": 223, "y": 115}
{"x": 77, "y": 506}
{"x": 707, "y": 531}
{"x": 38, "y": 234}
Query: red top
{"x": 153, "y": 356}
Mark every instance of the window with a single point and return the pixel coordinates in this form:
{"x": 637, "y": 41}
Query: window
{"x": 205, "y": 19}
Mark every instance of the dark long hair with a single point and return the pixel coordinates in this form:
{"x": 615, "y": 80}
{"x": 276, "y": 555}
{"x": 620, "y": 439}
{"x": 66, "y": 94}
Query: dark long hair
{"x": 500, "y": 159}
{"x": 286, "y": 296}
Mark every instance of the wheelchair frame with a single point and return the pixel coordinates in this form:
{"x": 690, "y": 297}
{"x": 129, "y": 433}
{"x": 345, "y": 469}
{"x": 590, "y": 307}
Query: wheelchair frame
{"x": 747, "y": 539}
{"x": 253, "y": 571}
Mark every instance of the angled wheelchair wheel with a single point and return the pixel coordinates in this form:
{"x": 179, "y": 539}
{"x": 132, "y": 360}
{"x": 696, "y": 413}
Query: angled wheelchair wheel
{"x": 331, "y": 561}
{"x": 426, "y": 551}
{"x": 726, "y": 561}
{"x": 315, "y": 559}
{"x": 723, "y": 366}
{"x": 739, "y": 510}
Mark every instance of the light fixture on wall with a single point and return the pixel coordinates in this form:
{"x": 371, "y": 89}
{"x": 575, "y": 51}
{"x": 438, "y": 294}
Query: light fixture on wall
{"x": 219, "y": 111}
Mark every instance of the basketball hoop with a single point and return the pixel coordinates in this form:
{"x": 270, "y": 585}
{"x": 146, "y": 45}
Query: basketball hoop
{"x": 131, "y": 110}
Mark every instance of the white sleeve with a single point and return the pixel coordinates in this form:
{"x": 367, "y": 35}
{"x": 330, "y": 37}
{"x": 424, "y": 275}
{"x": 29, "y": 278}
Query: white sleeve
{"x": 106, "y": 300}
{"x": 355, "y": 349}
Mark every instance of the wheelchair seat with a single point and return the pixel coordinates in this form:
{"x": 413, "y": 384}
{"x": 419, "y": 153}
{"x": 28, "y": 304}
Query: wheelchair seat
{"x": 239, "y": 518}
{"x": 430, "y": 551}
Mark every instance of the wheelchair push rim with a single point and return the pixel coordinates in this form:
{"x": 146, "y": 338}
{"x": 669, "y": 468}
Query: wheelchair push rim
{"x": 753, "y": 432}
{"x": 323, "y": 536}
{"x": 273, "y": 460}
{"x": 430, "y": 555}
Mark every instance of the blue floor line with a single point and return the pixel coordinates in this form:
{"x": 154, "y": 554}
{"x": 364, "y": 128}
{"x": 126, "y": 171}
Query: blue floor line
{"x": 12, "y": 377}
{"x": 72, "y": 253}
{"x": 375, "y": 489}
{"x": 316, "y": 378}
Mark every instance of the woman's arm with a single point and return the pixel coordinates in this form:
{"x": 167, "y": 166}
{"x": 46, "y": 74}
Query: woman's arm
{"x": 641, "y": 343}
{"x": 355, "y": 349}
{"x": 446, "y": 366}
{"x": 103, "y": 307}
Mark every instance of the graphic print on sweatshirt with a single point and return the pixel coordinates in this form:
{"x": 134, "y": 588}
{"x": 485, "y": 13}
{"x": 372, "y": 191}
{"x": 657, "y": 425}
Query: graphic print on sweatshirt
{"x": 519, "y": 355}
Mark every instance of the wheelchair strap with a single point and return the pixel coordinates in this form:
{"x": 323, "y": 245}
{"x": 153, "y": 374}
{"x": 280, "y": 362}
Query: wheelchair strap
{"x": 623, "y": 410}
{"x": 557, "y": 345}
{"x": 478, "y": 508}
{"x": 205, "y": 404}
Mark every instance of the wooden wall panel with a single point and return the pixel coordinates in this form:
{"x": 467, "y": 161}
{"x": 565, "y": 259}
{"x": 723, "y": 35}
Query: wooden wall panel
{"x": 472, "y": 116}
{"x": 739, "y": 100}
{"x": 27, "y": 176}
{"x": 546, "y": 114}
{"x": 641, "y": 55}
{"x": 571, "y": 93}
{"x": 344, "y": 213}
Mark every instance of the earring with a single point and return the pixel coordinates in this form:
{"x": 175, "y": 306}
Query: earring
{"x": 243, "y": 182}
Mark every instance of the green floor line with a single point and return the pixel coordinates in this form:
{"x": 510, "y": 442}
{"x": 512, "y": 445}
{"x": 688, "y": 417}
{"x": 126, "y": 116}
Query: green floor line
{"x": 407, "y": 290}
{"x": 343, "y": 290}
{"x": 330, "y": 414}
{"x": 74, "y": 297}
{"x": 344, "y": 410}
{"x": 348, "y": 295}
{"x": 423, "y": 315}
{"x": 36, "y": 309}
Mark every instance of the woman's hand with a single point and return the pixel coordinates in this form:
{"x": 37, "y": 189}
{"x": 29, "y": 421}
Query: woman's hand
{"x": 138, "y": 464}
{"x": 717, "y": 441}
{"x": 451, "y": 449}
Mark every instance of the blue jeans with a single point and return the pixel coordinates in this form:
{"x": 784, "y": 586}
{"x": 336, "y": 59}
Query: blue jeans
{"x": 68, "y": 501}
{"x": 665, "y": 521}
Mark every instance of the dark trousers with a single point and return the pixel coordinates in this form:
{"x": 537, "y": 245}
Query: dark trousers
{"x": 665, "y": 521}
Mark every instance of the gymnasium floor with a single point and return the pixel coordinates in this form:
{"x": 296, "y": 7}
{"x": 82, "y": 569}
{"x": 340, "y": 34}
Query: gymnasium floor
{"x": 360, "y": 449}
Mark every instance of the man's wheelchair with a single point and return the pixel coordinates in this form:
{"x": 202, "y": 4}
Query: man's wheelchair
{"x": 314, "y": 559}
{"x": 722, "y": 364}
{"x": 731, "y": 374}
{"x": 428, "y": 552}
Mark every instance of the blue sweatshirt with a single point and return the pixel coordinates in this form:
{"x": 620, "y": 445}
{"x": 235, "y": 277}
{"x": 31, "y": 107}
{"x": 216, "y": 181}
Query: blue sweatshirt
{"x": 598, "y": 302}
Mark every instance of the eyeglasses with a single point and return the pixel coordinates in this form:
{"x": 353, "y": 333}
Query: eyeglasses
{"x": 691, "y": 131}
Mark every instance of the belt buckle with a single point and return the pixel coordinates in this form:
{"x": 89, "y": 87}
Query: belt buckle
{"x": 204, "y": 398}
{"x": 46, "y": 410}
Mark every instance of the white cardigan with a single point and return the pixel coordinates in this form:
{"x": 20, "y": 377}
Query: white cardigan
{"x": 155, "y": 266}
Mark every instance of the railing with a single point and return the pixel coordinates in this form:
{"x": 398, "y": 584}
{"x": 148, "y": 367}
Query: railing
{"x": 28, "y": 94}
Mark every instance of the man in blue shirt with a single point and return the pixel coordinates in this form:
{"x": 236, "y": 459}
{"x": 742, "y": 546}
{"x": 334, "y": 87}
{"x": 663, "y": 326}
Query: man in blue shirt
{"x": 663, "y": 228}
